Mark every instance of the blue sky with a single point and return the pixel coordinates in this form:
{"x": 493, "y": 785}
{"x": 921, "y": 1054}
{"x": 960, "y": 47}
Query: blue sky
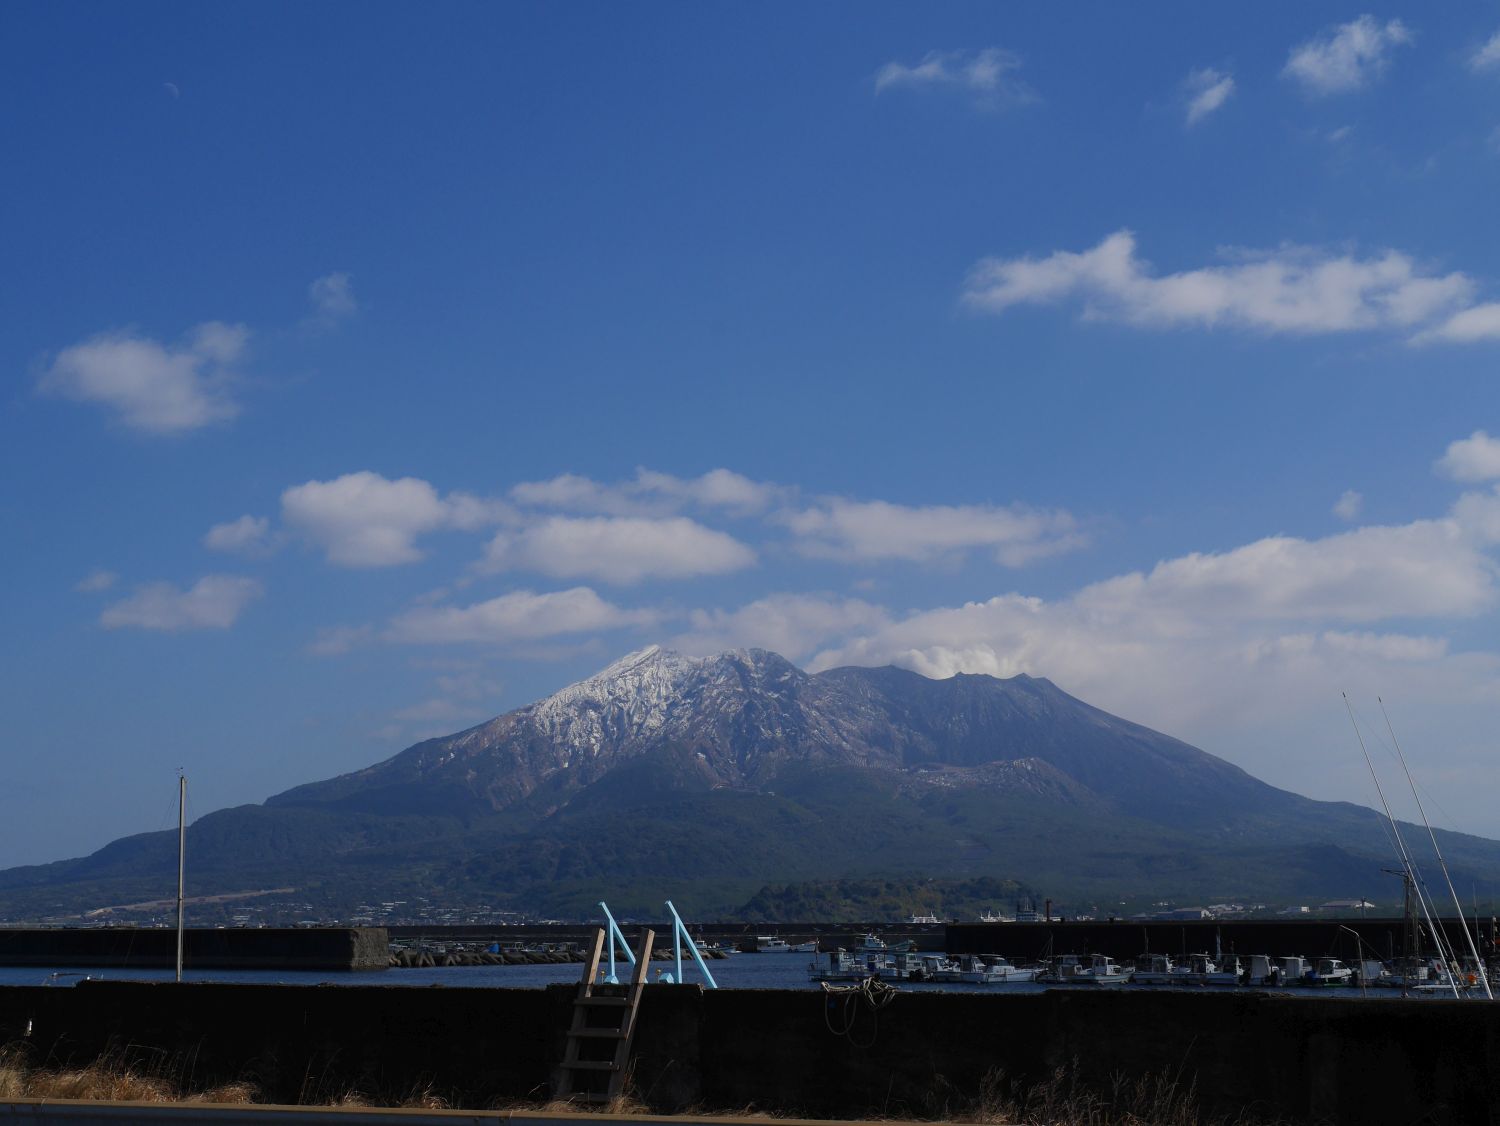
{"x": 371, "y": 371}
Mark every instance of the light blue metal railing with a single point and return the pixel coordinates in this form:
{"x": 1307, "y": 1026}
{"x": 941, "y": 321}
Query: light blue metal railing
{"x": 614, "y": 937}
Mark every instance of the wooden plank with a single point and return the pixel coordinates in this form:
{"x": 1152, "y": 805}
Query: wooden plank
{"x": 626, "y": 1003}
{"x": 591, "y": 967}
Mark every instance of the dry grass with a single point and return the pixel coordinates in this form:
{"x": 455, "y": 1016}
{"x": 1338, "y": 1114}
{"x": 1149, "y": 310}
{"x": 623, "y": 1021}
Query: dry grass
{"x": 1157, "y": 1099}
{"x": 105, "y": 1080}
{"x": 1062, "y": 1099}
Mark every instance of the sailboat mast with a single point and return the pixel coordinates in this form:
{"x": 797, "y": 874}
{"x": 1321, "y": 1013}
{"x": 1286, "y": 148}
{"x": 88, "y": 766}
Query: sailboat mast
{"x": 181, "y": 849}
{"x": 1443, "y": 864}
{"x": 1401, "y": 849}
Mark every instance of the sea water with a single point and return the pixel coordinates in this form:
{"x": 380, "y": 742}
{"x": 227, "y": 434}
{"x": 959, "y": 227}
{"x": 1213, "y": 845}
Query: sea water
{"x": 738, "y": 971}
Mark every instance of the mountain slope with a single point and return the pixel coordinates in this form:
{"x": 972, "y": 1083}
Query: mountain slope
{"x": 734, "y": 771}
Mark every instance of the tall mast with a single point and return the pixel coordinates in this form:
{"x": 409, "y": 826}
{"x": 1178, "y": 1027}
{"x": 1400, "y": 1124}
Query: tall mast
{"x": 1443, "y": 864}
{"x": 1406, "y": 861}
{"x": 181, "y": 849}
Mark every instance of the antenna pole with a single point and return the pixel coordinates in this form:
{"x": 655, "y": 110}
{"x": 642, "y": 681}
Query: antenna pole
{"x": 181, "y": 849}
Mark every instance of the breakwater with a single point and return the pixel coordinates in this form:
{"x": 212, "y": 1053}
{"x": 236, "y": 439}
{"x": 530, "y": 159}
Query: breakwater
{"x": 924, "y": 1054}
{"x": 279, "y": 948}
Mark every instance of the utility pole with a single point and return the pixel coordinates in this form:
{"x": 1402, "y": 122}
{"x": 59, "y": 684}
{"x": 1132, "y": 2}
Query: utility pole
{"x": 181, "y": 847}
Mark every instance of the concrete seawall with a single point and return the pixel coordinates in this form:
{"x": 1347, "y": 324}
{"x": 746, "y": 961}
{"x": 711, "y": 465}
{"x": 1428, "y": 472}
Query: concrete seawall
{"x": 277, "y": 948}
{"x": 1298, "y": 1059}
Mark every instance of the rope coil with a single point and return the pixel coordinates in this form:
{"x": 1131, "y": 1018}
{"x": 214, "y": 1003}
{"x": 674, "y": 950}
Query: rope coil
{"x": 849, "y": 1001}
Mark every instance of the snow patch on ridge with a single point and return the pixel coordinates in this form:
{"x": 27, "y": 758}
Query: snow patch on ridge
{"x": 633, "y": 697}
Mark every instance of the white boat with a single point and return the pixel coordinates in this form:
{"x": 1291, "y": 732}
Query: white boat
{"x": 1104, "y": 971}
{"x": 1289, "y": 970}
{"x": 1227, "y": 969}
{"x": 845, "y": 965}
{"x": 769, "y": 944}
{"x": 930, "y": 967}
{"x": 1095, "y": 969}
{"x": 1061, "y": 970}
{"x": 1328, "y": 972}
{"x": 1153, "y": 969}
{"x": 872, "y": 942}
{"x": 810, "y": 947}
{"x": 985, "y": 969}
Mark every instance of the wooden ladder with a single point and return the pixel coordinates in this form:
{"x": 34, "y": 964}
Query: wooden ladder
{"x": 598, "y": 1049}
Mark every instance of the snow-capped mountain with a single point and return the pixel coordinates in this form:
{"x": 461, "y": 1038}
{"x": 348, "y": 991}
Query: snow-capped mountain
{"x": 739, "y": 718}
{"x": 739, "y": 770}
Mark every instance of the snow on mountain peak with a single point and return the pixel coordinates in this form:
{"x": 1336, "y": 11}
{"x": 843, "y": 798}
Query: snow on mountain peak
{"x": 631, "y": 697}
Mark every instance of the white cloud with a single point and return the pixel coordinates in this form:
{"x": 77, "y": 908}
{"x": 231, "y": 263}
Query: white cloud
{"x": 332, "y": 641}
{"x": 1347, "y": 57}
{"x": 332, "y": 298}
{"x": 1229, "y": 607}
{"x": 1293, "y": 289}
{"x": 518, "y": 616}
{"x": 213, "y": 602}
{"x": 155, "y": 388}
{"x": 860, "y": 531}
{"x": 1480, "y": 322}
{"x": 1479, "y": 515}
{"x": 617, "y": 549}
{"x": 96, "y": 581}
{"x": 1475, "y": 458}
{"x": 718, "y": 488}
{"x": 986, "y": 74}
{"x": 1487, "y": 57}
{"x": 365, "y": 520}
{"x": 1428, "y": 568}
{"x": 793, "y": 625}
{"x": 459, "y": 700}
{"x": 1244, "y": 651}
{"x": 1206, "y": 91}
{"x": 1348, "y": 506}
{"x": 249, "y": 535}
{"x": 649, "y": 493}
{"x": 1387, "y": 646}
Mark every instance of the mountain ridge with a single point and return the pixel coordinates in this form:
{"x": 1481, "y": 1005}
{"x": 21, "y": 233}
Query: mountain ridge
{"x": 738, "y": 770}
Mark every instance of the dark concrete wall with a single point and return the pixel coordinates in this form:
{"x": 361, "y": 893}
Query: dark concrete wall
{"x": 248, "y": 948}
{"x": 1297, "y": 1059}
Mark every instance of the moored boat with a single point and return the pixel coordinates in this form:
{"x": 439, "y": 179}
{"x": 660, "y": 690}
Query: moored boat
{"x": 985, "y": 969}
{"x": 1153, "y": 969}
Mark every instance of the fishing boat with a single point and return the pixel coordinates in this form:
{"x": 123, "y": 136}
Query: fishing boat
{"x": 1227, "y": 969}
{"x": 1259, "y": 969}
{"x": 1102, "y": 970}
{"x": 769, "y": 944}
{"x": 809, "y": 947}
{"x": 1328, "y": 972}
{"x": 1071, "y": 969}
{"x": 985, "y": 969}
{"x": 1153, "y": 969}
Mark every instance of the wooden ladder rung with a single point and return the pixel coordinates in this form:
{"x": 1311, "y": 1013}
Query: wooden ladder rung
{"x": 626, "y": 1002}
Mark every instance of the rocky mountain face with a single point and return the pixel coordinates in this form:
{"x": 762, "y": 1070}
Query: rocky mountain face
{"x": 744, "y": 716}
{"x": 734, "y": 771}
